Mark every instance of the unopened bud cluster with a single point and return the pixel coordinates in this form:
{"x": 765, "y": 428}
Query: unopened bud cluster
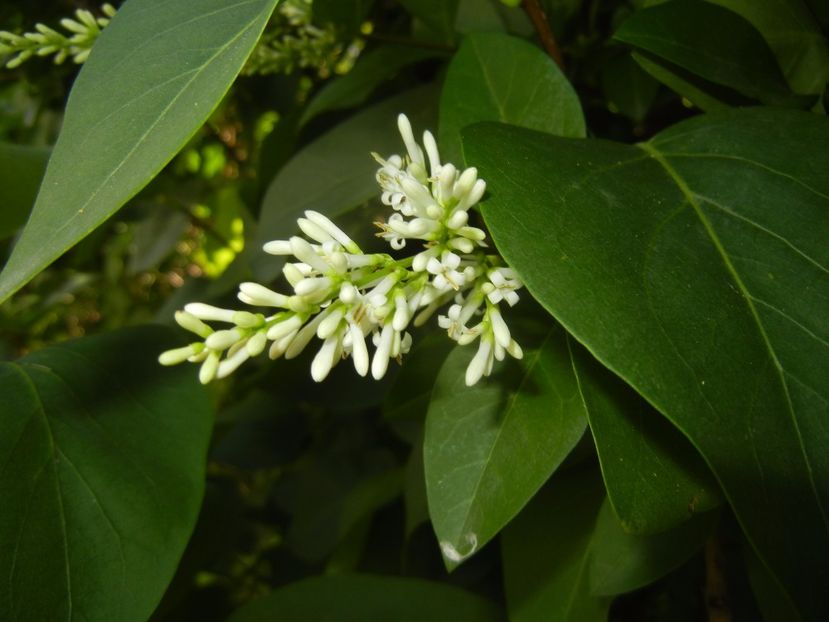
{"x": 45, "y": 41}
{"x": 362, "y": 305}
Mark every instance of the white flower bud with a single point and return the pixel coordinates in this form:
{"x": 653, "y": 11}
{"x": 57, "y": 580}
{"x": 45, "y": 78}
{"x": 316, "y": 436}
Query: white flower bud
{"x": 232, "y": 363}
{"x": 256, "y": 344}
{"x": 278, "y": 247}
{"x": 260, "y": 296}
{"x": 479, "y": 363}
{"x": 333, "y": 231}
{"x": 190, "y": 322}
{"x": 209, "y": 368}
{"x": 284, "y": 327}
{"x": 223, "y": 339}
{"x": 179, "y": 355}
{"x": 499, "y": 327}
{"x": 325, "y": 358}
{"x": 380, "y": 362}
{"x": 432, "y": 152}
{"x": 209, "y": 312}
{"x": 359, "y": 352}
{"x": 305, "y": 253}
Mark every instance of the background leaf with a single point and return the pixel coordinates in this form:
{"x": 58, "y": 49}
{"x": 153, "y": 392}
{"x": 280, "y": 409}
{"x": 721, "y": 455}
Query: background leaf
{"x": 792, "y": 31}
{"x": 546, "y": 551}
{"x": 153, "y": 79}
{"x": 21, "y": 169}
{"x": 654, "y": 477}
{"x": 496, "y": 77}
{"x": 98, "y": 443}
{"x": 490, "y": 447}
{"x": 621, "y": 562}
{"x": 372, "y": 69}
{"x": 713, "y": 291}
{"x": 335, "y": 173}
{"x": 711, "y": 42}
{"x": 357, "y": 598}
{"x": 439, "y": 15}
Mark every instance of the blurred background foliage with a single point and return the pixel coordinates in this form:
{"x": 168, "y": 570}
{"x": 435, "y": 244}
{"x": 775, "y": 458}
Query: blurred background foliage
{"x": 304, "y": 481}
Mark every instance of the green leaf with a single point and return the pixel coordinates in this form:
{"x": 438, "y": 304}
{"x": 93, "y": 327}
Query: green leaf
{"x": 103, "y": 455}
{"x": 654, "y": 477}
{"x": 702, "y": 93}
{"x": 439, "y": 15}
{"x": 621, "y": 562}
{"x": 694, "y": 267}
{"x": 496, "y": 77}
{"x": 357, "y": 598}
{"x": 546, "y": 551}
{"x": 347, "y": 15}
{"x": 711, "y": 42}
{"x": 628, "y": 87}
{"x": 335, "y": 173}
{"x": 154, "y": 77}
{"x": 21, "y": 169}
{"x": 370, "y": 71}
{"x": 489, "y": 448}
{"x": 792, "y": 32}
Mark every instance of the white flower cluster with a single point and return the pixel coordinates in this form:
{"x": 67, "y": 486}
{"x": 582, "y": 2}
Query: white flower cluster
{"x": 347, "y": 298}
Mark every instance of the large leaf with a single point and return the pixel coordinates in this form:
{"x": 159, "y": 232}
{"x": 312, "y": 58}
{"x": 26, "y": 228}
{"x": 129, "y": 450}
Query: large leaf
{"x": 103, "y": 454}
{"x": 711, "y": 42}
{"x": 546, "y": 552}
{"x": 792, "y": 32}
{"x": 335, "y": 173}
{"x": 694, "y": 267}
{"x": 358, "y": 598}
{"x": 496, "y": 77}
{"x": 621, "y": 562}
{"x": 21, "y": 169}
{"x": 155, "y": 75}
{"x": 489, "y": 448}
{"x": 654, "y": 477}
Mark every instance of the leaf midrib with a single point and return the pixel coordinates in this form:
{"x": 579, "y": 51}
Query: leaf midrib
{"x": 691, "y": 198}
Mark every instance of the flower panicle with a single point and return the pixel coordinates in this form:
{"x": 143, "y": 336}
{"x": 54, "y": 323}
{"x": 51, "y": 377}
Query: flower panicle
{"x": 82, "y": 29}
{"x": 362, "y": 305}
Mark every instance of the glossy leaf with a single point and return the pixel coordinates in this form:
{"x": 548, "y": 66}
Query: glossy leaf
{"x": 621, "y": 562}
{"x": 489, "y": 448}
{"x": 711, "y": 42}
{"x": 153, "y": 79}
{"x": 792, "y": 32}
{"x": 694, "y": 267}
{"x": 546, "y": 552}
{"x": 98, "y": 443}
{"x": 496, "y": 77}
{"x": 654, "y": 477}
{"x": 335, "y": 173}
{"x": 370, "y": 71}
{"x": 357, "y": 598}
{"x": 21, "y": 169}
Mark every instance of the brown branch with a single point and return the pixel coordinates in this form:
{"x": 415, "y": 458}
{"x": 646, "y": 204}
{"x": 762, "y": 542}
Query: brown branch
{"x": 542, "y": 27}
{"x": 716, "y": 589}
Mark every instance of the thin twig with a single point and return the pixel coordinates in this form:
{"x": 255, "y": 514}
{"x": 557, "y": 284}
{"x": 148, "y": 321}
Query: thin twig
{"x": 716, "y": 589}
{"x": 542, "y": 27}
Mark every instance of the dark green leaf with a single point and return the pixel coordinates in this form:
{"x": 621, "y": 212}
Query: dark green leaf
{"x": 621, "y": 562}
{"x": 489, "y": 448}
{"x": 439, "y": 15}
{"x": 103, "y": 455}
{"x": 702, "y": 93}
{"x": 792, "y": 32}
{"x": 154, "y": 77}
{"x": 370, "y": 71}
{"x": 711, "y": 42}
{"x": 345, "y": 14}
{"x": 496, "y": 77}
{"x": 335, "y": 173}
{"x": 359, "y": 598}
{"x": 628, "y": 87}
{"x": 694, "y": 267}
{"x": 21, "y": 169}
{"x": 546, "y": 551}
{"x": 654, "y": 477}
